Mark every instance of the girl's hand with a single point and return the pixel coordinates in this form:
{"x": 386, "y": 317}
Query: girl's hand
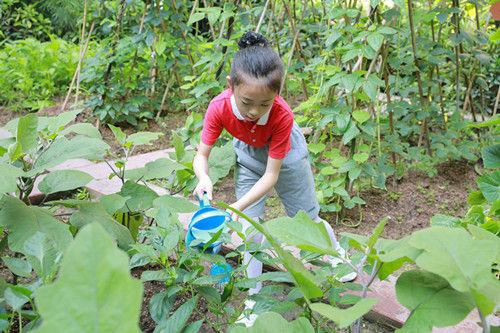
{"x": 235, "y": 217}
{"x": 205, "y": 185}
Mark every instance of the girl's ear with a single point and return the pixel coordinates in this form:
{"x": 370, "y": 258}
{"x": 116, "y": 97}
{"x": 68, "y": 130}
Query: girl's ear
{"x": 229, "y": 82}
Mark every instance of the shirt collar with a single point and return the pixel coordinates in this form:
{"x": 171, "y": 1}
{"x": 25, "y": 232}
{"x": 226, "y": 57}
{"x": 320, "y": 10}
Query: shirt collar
{"x": 262, "y": 120}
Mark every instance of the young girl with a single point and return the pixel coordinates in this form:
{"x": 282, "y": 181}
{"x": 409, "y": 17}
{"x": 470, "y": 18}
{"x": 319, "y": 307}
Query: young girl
{"x": 270, "y": 148}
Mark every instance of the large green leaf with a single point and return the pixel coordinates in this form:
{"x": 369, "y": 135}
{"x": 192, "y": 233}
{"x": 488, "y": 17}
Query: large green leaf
{"x": 24, "y": 222}
{"x": 9, "y": 177}
{"x": 27, "y": 135}
{"x": 42, "y": 254}
{"x": 220, "y": 162}
{"x": 302, "y": 232}
{"x": 491, "y": 156}
{"x": 425, "y": 294}
{"x": 57, "y": 123}
{"x": 94, "y": 291}
{"x": 344, "y": 317}
{"x": 89, "y": 212}
{"x": 167, "y": 205}
{"x": 489, "y": 185}
{"x": 64, "y": 180}
{"x": 375, "y": 40}
{"x": 160, "y": 168}
{"x": 82, "y": 129}
{"x": 63, "y": 149}
{"x": 350, "y": 134}
{"x": 271, "y": 322}
{"x": 140, "y": 197}
{"x": 177, "y": 321}
{"x": 143, "y": 138}
{"x": 463, "y": 261}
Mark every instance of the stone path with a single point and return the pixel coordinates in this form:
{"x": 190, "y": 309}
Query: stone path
{"x": 387, "y": 310}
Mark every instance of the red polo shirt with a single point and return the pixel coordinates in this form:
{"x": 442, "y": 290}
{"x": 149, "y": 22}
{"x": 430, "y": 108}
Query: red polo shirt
{"x": 272, "y": 129}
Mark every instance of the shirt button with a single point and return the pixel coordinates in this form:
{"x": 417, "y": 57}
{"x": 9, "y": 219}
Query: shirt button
{"x": 253, "y": 131}
{"x": 253, "y": 140}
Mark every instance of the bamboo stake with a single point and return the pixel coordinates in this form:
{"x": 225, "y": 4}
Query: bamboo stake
{"x": 81, "y": 49}
{"x": 423, "y": 101}
{"x": 262, "y": 15}
{"x": 78, "y": 66}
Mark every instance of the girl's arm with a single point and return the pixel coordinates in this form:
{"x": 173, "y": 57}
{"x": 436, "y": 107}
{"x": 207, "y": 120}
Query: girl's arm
{"x": 263, "y": 185}
{"x": 200, "y": 167}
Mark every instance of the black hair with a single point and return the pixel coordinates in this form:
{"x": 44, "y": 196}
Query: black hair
{"x": 257, "y": 59}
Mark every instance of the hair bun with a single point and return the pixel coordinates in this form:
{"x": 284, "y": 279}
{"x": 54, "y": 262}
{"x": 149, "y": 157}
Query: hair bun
{"x": 252, "y": 39}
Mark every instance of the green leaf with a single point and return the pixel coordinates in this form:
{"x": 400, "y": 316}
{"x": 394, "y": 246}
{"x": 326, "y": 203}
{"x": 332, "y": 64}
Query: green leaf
{"x": 377, "y": 231}
{"x": 112, "y": 202}
{"x": 489, "y": 185}
{"x": 375, "y": 40}
{"x": 55, "y": 124}
{"x": 220, "y": 162}
{"x": 194, "y": 327}
{"x": 168, "y": 205}
{"x": 271, "y": 322}
{"x": 92, "y": 283}
{"x": 42, "y": 254}
{"x": 361, "y": 116}
{"x": 344, "y": 317}
{"x": 491, "y": 156}
{"x": 63, "y": 149}
{"x": 140, "y": 196}
{"x": 82, "y": 129}
{"x": 178, "y": 144}
{"x": 177, "y": 321}
{"x": 350, "y": 134}
{"x": 160, "y": 168}
{"x": 445, "y": 220}
{"x": 118, "y": 133}
{"x": 302, "y": 232}
{"x": 195, "y": 18}
{"x": 89, "y": 212}
{"x": 143, "y": 138}
{"x": 64, "y": 180}
{"x": 424, "y": 292}
{"x": 23, "y": 222}
{"x": 27, "y": 134}
{"x": 316, "y": 148}
{"x": 495, "y": 121}
{"x": 387, "y": 30}
{"x": 9, "y": 177}
{"x": 464, "y": 262}
{"x": 360, "y": 157}
{"x": 16, "y": 297}
{"x": 18, "y": 266}
{"x": 332, "y": 38}
{"x": 351, "y": 82}
{"x": 161, "y": 303}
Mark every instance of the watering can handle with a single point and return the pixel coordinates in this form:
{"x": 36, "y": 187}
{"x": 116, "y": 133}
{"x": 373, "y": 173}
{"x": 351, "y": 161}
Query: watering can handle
{"x": 204, "y": 202}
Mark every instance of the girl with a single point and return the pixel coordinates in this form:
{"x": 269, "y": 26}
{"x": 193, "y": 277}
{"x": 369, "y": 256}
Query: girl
{"x": 270, "y": 148}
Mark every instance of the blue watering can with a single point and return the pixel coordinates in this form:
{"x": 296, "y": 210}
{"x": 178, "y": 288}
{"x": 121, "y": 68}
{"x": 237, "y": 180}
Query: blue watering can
{"x": 203, "y": 225}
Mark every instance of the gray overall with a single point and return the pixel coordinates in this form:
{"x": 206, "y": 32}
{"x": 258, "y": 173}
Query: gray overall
{"x": 295, "y": 185}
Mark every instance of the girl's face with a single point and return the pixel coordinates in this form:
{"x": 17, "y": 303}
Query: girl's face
{"x": 253, "y": 98}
